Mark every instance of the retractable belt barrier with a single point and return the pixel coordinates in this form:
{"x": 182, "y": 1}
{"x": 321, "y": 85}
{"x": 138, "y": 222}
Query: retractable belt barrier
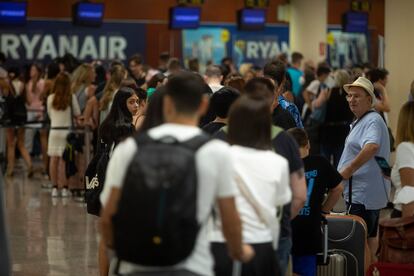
{"x": 45, "y": 125}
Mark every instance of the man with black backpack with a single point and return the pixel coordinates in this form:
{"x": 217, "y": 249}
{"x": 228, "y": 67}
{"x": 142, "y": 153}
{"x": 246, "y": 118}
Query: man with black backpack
{"x": 160, "y": 188}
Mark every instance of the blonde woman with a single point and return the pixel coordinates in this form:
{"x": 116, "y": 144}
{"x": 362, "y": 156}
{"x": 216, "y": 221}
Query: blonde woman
{"x": 402, "y": 174}
{"x": 82, "y": 87}
{"x": 118, "y": 74}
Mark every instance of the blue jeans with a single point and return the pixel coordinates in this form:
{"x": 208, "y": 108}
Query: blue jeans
{"x": 283, "y": 252}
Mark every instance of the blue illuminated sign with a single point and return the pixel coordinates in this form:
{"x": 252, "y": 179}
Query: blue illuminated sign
{"x": 185, "y": 17}
{"x": 88, "y": 14}
{"x": 252, "y": 19}
{"x": 13, "y": 13}
{"x": 355, "y": 22}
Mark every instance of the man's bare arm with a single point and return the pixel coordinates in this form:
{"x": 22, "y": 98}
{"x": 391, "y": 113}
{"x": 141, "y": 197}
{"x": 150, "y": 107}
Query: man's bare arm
{"x": 367, "y": 152}
{"x": 107, "y": 212}
{"x": 333, "y": 197}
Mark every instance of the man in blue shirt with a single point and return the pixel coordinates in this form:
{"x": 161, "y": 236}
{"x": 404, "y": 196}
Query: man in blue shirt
{"x": 295, "y": 73}
{"x": 368, "y": 138}
{"x": 276, "y": 70}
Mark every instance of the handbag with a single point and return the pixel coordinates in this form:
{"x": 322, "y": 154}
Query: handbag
{"x": 73, "y": 144}
{"x": 396, "y": 240}
{"x": 95, "y": 178}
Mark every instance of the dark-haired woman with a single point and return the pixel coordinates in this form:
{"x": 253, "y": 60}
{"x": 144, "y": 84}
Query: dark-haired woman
{"x": 262, "y": 181}
{"x": 117, "y": 126}
{"x": 59, "y": 105}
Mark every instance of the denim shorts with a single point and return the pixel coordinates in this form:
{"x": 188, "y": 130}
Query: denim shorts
{"x": 371, "y": 217}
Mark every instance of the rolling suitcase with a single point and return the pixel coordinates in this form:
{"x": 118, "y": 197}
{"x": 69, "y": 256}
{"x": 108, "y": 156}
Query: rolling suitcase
{"x": 336, "y": 266}
{"x": 329, "y": 263}
{"x": 347, "y": 237}
{"x": 389, "y": 269}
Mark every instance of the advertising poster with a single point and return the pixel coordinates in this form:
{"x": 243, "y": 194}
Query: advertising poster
{"x": 257, "y": 49}
{"x": 42, "y": 41}
{"x": 207, "y": 44}
{"x": 212, "y": 43}
{"x": 346, "y": 49}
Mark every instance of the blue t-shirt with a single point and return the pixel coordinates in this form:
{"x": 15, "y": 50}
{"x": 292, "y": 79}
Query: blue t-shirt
{"x": 293, "y": 110}
{"x": 295, "y": 76}
{"x": 369, "y": 187}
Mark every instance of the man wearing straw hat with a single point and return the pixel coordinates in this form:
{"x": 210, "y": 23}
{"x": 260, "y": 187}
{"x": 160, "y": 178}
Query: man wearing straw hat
{"x": 367, "y": 138}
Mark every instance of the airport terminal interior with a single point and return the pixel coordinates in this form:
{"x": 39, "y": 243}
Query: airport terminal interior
{"x": 100, "y": 101}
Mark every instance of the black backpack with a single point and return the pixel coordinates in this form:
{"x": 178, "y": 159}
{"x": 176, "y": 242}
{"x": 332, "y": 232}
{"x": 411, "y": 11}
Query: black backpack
{"x": 156, "y": 221}
{"x": 95, "y": 178}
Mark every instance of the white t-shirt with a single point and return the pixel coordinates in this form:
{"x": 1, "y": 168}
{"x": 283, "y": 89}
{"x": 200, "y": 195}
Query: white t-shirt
{"x": 266, "y": 176}
{"x": 213, "y": 165}
{"x": 404, "y": 159}
{"x": 313, "y": 87}
{"x": 215, "y": 87}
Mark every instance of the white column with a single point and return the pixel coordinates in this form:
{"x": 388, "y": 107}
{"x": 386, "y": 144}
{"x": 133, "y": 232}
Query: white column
{"x": 308, "y": 27}
{"x": 399, "y": 53}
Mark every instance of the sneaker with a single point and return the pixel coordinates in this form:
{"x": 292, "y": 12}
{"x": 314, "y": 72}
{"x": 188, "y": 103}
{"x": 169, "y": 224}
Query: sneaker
{"x": 65, "y": 192}
{"x": 55, "y": 192}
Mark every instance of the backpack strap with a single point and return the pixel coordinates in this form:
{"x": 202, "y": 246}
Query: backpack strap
{"x": 194, "y": 143}
{"x": 143, "y": 138}
{"x": 197, "y": 142}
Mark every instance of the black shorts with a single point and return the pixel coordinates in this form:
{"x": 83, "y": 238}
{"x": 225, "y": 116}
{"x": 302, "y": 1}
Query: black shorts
{"x": 371, "y": 217}
{"x": 264, "y": 263}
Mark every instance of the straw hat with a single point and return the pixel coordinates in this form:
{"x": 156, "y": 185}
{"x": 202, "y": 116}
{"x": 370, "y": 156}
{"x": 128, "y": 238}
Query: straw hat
{"x": 365, "y": 84}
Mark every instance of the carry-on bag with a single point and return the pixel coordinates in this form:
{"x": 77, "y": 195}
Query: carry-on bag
{"x": 396, "y": 240}
{"x": 347, "y": 237}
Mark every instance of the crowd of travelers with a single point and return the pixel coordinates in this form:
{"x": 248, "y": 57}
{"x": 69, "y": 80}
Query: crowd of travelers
{"x": 222, "y": 172}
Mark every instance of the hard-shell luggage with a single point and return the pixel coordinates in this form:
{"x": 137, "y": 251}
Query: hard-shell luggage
{"x": 348, "y": 237}
{"x": 336, "y": 266}
{"x": 329, "y": 263}
{"x": 390, "y": 269}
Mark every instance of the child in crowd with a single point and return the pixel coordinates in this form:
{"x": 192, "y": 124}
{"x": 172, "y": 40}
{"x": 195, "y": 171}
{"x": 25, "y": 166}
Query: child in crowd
{"x": 321, "y": 177}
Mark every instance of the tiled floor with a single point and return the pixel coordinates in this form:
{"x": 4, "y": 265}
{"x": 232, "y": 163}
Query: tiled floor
{"x": 48, "y": 236}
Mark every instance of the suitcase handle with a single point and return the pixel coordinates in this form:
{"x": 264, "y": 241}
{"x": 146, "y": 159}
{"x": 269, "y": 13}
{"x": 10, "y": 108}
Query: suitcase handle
{"x": 349, "y": 195}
